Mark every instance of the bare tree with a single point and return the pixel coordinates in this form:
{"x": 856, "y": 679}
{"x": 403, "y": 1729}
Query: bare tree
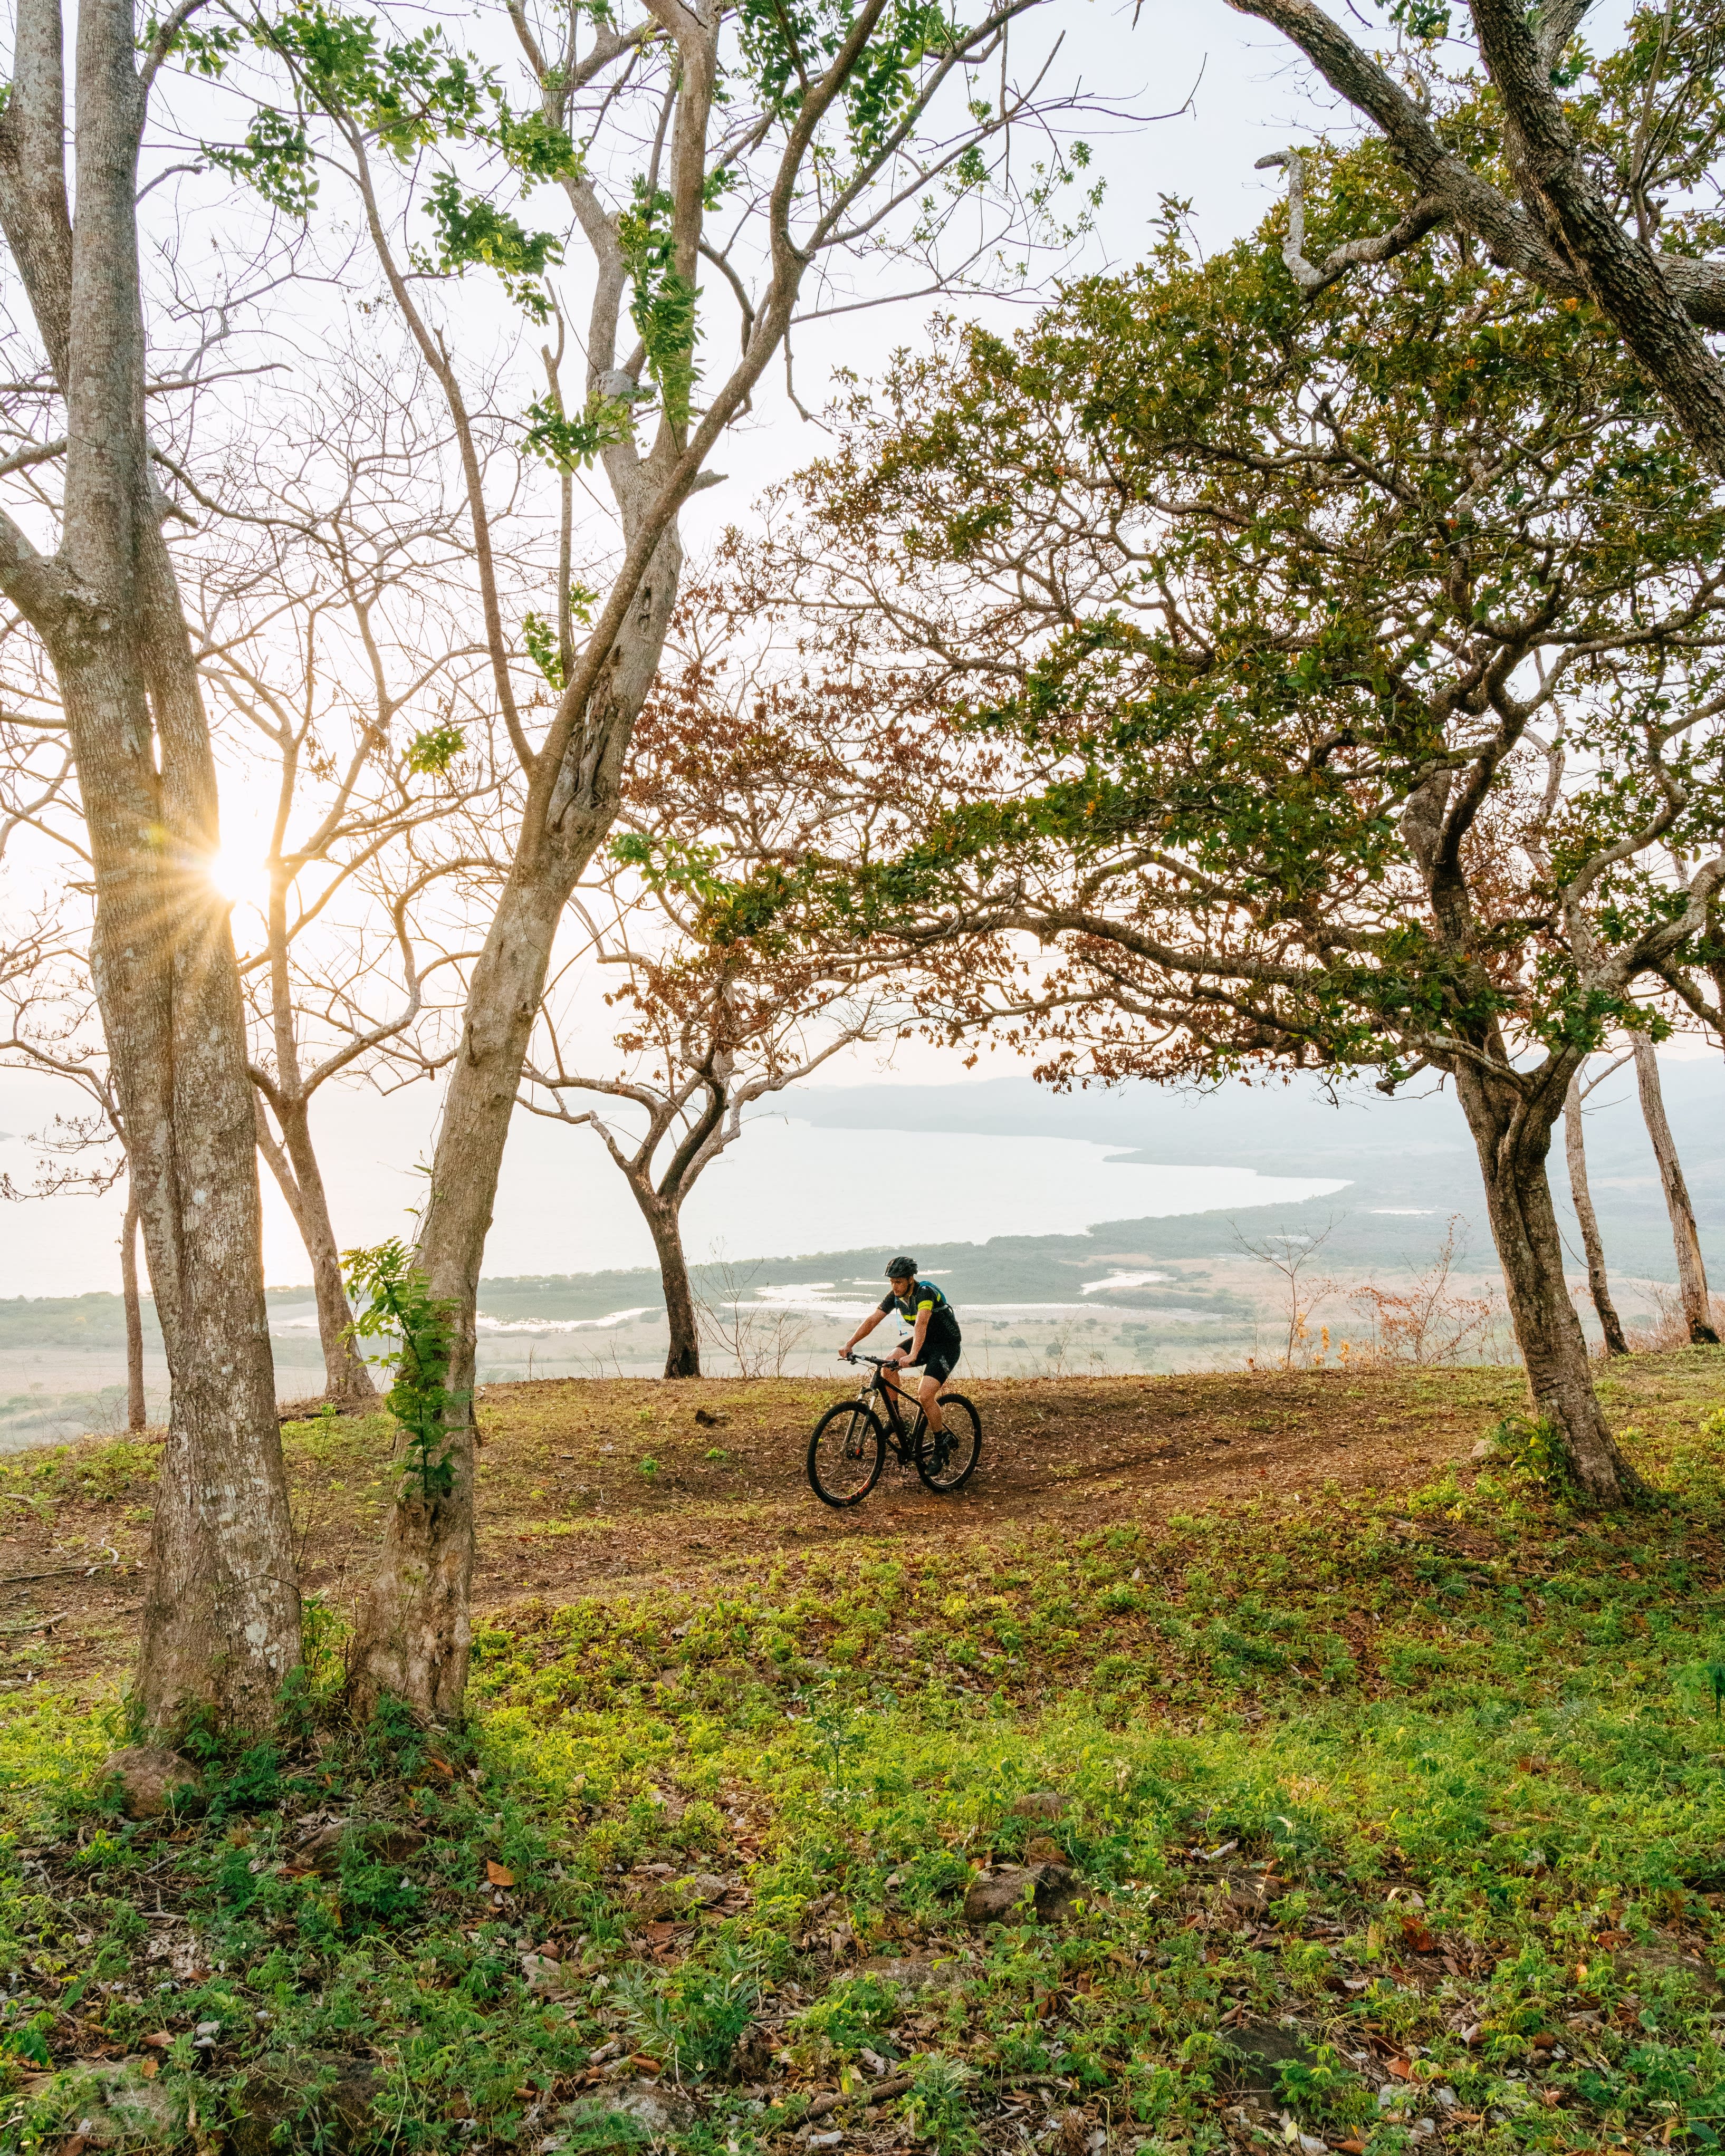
{"x": 1691, "y": 1272}
{"x": 733, "y": 773}
{"x": 333, "y": 636}
{"x": 1592, "y": 1243}
{"x": 712, "y": 1032}
{"x": 1288, "y": 1254}
{"x": 221, "y": 1620}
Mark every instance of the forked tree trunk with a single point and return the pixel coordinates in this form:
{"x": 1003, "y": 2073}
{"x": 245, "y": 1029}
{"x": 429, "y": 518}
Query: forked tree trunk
{"x": 413, "y": 1636}
{"x": 294, "y": 1164}
{"x": 136, "y": 1408}
{"x": 663, "y": 1218}
{"x": 1691, "y": 1273}
{"x": 1575, "y": 1151}
{"x": 1512, "y": 1137}
{"x": 220, "y": 1629}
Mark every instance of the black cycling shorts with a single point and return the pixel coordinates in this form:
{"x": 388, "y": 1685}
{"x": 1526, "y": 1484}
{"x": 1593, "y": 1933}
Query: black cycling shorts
{"x": 937, "y": 1363}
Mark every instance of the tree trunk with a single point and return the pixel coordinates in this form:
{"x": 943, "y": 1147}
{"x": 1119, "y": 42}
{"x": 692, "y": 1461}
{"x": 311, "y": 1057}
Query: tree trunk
{"x": 1512, "y": 1137}
{"x": 136, "y": 1408}
{"x": 663, "y": 1217}
{"x": 347, "y": 1379}
{"x": 1575, "y": 1151}
{"x": 220, "y": 1629}
{"x": 413, "y": 1635}
{"x": 1691, "y": 1273}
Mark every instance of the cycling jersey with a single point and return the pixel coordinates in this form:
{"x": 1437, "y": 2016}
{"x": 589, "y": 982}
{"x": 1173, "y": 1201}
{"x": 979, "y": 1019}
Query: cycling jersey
{"x": 942, "y": 1336}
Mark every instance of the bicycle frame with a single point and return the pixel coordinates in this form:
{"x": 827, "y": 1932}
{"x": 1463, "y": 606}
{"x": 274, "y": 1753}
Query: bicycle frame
{"x": 903, "y": 1440}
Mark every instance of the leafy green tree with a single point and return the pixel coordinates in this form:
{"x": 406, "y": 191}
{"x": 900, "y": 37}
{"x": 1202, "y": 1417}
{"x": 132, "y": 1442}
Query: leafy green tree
{"x": 1349, "y": 672}
{"x": 1592, "y": 180}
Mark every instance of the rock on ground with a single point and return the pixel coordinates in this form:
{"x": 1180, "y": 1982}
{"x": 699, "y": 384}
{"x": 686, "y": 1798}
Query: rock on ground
{"x": 1017, "y": 1892}
{"x": 1671, "y": 1961}
{"x": 151, "y": 1778}
{"x": 1252, "y": 2057}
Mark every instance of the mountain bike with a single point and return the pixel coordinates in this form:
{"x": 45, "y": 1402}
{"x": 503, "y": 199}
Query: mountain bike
{"x": 848, "y": 1447}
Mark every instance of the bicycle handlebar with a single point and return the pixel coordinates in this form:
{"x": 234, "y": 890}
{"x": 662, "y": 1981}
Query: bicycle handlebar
{"x": 880, "y": 1361}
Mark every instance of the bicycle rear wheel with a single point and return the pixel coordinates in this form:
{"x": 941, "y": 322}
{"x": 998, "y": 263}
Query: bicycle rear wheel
{"x": 947, "y": 1461}
{"x": 846, "y": 1453}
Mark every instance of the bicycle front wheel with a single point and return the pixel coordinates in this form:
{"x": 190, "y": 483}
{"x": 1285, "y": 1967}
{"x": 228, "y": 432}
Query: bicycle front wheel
{"x": 846, "y": 1453}
{"x": 947, "y": 1461}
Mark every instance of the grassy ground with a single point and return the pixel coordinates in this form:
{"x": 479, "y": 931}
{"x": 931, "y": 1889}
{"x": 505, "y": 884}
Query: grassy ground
{"x": 1373, "y": 1801}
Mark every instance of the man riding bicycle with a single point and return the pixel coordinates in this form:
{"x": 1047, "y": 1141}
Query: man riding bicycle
{"x": 934, "y": 1346}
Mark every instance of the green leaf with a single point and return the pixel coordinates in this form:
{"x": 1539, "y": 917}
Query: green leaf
{"x": 541, "y": 640}
{"x": 472, "y": 230}
{"x": 276, "y": 158}
{"x": 663, "y": 306}
{"x": 397, "y": 1302}
{"x": 432, "y": 751}
{"x": 572, "y": 444}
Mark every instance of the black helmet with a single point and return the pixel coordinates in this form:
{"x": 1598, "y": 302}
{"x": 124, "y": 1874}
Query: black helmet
{"x": 902, "y": 1269}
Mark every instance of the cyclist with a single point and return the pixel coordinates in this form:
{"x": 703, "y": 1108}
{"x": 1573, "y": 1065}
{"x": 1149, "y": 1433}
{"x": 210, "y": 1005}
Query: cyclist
{"x": 934, "y": 1346}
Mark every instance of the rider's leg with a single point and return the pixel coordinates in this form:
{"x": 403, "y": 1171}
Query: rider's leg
{"x": 929, "y": 1392}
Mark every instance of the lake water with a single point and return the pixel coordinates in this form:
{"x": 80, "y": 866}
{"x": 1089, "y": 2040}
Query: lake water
{"x": 787, "y": 1188}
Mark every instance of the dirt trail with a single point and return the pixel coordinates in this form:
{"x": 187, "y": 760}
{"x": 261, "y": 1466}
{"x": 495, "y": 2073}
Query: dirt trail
{"x": 596, "y": 1487}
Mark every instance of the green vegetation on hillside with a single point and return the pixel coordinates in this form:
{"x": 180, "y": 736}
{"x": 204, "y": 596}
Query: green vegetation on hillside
{"x": 1348, "y": 1815}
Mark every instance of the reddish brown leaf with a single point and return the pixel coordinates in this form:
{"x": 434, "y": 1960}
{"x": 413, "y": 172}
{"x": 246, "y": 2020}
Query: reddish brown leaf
{"x": 499, "y": 1875}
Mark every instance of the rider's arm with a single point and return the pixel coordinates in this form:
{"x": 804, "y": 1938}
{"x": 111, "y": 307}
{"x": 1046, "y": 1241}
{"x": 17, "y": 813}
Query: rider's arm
{"x": 862, "y": 1331}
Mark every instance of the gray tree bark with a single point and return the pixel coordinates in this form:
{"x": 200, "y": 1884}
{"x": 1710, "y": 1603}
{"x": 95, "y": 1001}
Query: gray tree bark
{"x": 664, "y": 1218}
{"x": 1691, "y": 1273}
{"x": 1600, "y": 1287}
{"x": 413, "y": 1636}
{"x": 1512, "y": 1137}
{"x": 221, "y": 1620}
{"x": 138, "y": 1416}
{"x": 292, "y": 1161}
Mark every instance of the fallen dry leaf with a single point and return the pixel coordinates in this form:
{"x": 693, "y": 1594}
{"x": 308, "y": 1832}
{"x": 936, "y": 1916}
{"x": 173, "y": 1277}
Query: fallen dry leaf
{"x": 499, "y": 1875}
{"x": 149, "y": 2068}
{"x": 160, "y": 2042}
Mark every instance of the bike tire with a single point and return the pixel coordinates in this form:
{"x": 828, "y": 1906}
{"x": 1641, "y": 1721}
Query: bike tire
{"x": 948, "y": 1463}
{"x": 846, "y": 1455}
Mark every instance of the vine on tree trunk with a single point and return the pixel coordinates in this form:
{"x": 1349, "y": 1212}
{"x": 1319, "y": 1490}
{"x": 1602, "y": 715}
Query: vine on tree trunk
{"x": 399, "y": 1302}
